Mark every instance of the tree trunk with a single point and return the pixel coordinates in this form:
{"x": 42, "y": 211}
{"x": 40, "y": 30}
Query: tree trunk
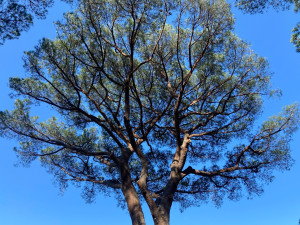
{"x": 164, "y": 218}
{"x": 166, "y": 200}
{"x": 131, "y": 197}
{"x": 134, "y": 207}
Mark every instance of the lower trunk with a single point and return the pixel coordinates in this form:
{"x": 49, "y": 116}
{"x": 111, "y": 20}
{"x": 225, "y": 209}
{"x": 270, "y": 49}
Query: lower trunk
{"x": 165, "y": 201}
{"x": 131, "y": 197}
{"x": 160, "y": 209}
{"x": 134, "y": 207}
{"x": 164, "y": 218}
{"x": 161, "y": 218}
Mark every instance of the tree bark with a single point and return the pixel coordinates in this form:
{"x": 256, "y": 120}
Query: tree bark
{"x": 164, "y": 216}
{"x": 131, "y": 197}
{"x": 166, "y": 200}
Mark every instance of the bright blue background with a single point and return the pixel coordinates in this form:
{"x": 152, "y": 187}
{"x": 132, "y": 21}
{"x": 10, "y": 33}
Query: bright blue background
{"x": 28, "y": 196}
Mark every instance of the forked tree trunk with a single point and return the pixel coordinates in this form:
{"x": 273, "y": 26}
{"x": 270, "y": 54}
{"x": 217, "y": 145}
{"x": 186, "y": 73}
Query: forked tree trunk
{"x": 160, "y": 209}
{"x": 164, "y": 204}
{"x": 166, "y": 200}
{"x": 134, "y": 205}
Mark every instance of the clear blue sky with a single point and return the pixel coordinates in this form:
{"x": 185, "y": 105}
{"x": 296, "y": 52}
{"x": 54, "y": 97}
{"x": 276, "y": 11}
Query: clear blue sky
{"x": 28, "y": 196}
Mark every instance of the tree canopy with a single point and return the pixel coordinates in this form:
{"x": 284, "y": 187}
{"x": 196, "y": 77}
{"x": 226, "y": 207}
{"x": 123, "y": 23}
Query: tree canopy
{"x": 259, "y": 6}
{"x": 156, "y": 101}
{"x": 16, "y": 16}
